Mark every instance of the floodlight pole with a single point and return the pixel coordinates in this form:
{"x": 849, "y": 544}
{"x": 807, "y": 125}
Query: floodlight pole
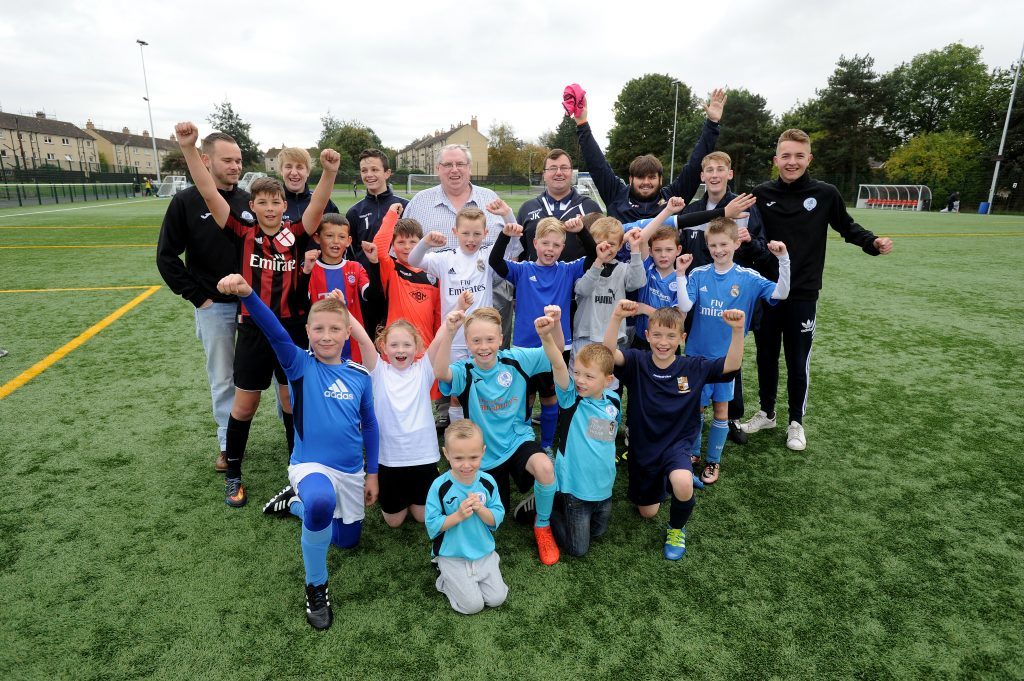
{"x": 1006, "y": 125}
{"x": 152, "y": 130}
{"x": 675, "y": 119}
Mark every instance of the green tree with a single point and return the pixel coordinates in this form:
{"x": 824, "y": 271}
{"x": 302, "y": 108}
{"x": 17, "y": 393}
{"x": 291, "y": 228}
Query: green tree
{"x": 224, "y": 119}
{"x": 105, "y": 162}
{"x": 749, "y": 136}
{"x": 937, "y": 90}
{"x": 505, "y": 150}
{"x": 564, "y": 137}
{"x": 945, "y": 161}
{"x": 349, "y": 139}
{"x": 173, "y": 163}
{"x": 329, "y": 126}
{"x": 643, "y": 121}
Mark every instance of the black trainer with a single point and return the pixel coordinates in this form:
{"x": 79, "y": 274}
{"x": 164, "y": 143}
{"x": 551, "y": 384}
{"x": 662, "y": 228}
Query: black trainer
{"x": 281, "y": 502}
{"x": 318, "y": 606}
{"x": 526, "y": 510}
{"x": 736, "y": 435}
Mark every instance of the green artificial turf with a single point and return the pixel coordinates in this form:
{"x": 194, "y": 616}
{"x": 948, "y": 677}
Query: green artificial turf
{"x": 891, "y": 548}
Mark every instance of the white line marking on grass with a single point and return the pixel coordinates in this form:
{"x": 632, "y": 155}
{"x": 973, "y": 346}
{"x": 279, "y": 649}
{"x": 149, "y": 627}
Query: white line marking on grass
{"x": 89, "y": 288}
{"x": 61, "y": 210}
{"x": 21, "y": 248}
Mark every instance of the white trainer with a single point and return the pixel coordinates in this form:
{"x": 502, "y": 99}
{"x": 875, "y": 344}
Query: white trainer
{"x": 795, "y": 438}
{"x": 758, "y": 421}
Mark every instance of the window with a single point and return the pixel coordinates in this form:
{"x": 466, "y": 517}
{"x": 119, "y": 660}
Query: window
{"x": 91, "y": 158}
{"x": 50, "y": 157}
{"x": 3, "y": 153}
{"x": 136, "y": 164}
{"x": 65, "y": 141}
{"x": 47, "y": 140}
{"x": 88, "y": 143}
{"x": 149, "y": 164}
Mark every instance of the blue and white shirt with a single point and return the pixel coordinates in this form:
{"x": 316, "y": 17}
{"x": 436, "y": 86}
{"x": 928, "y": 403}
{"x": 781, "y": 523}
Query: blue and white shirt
{"x": 713, "y": 292}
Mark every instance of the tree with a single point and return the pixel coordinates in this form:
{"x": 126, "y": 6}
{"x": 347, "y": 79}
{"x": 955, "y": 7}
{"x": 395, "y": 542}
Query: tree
{"x": 104, "y": 162}
{"x": 564, "y": 137}
{"x": 748, "y": 137}
{"x": 937, "y": 90}
{"x": 329, "y": 128}
{"x": 505, "y": 150}
{"x": 349, "y": 139}
{"x": 643, "y": 121}
{"x": 174, "y": 163}
{"x": 945, "y": 161}
{"x": 224, "y": 119}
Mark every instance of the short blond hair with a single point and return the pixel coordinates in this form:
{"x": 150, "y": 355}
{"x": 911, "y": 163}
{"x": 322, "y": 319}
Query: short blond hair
{"x": 295, "y": 155}
{"x": 471, "y": 213}
{"x": 463, "y": 429}
{"x": 331, "y": 304}
{"x": 726, "y": 226}
{"x": 598, "y": 357}
{"x": 794, "y": 135}
{"x": 719, "y": 156}
{"x": 668, "y": 317}
{"x": 483, "y": 314}
{"x": 607, "y": 229}
{"x": 550, "y": 225}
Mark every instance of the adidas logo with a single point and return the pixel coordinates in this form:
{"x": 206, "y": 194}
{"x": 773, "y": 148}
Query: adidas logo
{"x": 339, "y": 391}
{"x": 703, "y": 289}
{"x": 451, "y": 271}
{"x": 533, "y": 278}
{"x": 808, "y": 327}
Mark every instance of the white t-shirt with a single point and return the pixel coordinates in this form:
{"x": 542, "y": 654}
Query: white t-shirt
{"x": 401, "y": 400}
{"x": 457, "y": 272}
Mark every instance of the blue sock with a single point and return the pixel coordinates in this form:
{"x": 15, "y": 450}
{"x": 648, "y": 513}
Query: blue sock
{"x": 697, "y": 441}
{"x": 545, "y": 496}
{"x": 716, "y": 440}
{"x": 548, "y": 423}
{"x": 314, "y": 553}
{"x": 346, "y": 535}
{"x": 297, "y": 509}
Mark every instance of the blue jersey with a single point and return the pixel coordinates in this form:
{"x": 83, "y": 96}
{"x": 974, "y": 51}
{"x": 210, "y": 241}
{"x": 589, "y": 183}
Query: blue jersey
{"x": 664, "y": 404}
{"x": 496, "y": 399}
{"x": 712, "y": 293}
{"x": 332, "y": 404}
{"x": 471, "y": 539}
{"x": 658, "y": 292}
{"x": 585, "y": 462}
{"x": 537, "y": 286}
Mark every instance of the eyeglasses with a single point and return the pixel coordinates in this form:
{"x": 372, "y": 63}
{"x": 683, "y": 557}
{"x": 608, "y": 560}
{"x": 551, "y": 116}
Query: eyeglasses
{"x": 448, "y": 165}
{"x": 553, "y": 169}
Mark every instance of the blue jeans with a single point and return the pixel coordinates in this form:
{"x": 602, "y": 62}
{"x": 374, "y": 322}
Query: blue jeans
{"x": 215, "y": 328}
{"x": 575, "y": 522}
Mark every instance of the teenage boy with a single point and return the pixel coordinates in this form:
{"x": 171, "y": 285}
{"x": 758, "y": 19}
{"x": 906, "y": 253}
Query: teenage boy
{"x": 664, "y": 413}
{"x": 644, "y": 195}
{"x": 463, "y": 511}
{"x": 798, "y": 211}
{"x": 295, "y": 164}
{"x": 367, "y": 215}
{"x": 271, "y": 253}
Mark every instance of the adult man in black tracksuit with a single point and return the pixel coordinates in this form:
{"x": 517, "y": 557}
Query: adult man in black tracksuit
{"x": 798, "y": 211}
{"x": 189, "y": 228}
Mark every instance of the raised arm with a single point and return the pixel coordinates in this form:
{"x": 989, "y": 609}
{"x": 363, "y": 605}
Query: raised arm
{"x": 674, "y": 205}
{"x": 546, "y": 328}
{"x": 734, "y": 359}
{"x": 187, "y": 134}
{"x": 419, "y": 252}
{"x": 366, "y": 347}
{"x": 609, "y": 186}
{"x": 496, "y": 259}
{"x": 624, "y": 308}
{"x": 636, "y": 277}
{"x": 330, "y": 160}
{"x": 686, "y": 183}
{"x": 443, "y": 340}
{"x": 781, "y": 291}
{"x": 684, "y": 302}
{"x": 586, "y": 239}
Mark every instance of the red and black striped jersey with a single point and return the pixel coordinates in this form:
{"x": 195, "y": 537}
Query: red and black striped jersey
{"x": 271, "y": 264}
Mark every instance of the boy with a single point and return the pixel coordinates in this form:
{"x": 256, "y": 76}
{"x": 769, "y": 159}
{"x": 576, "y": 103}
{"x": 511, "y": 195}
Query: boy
{"x": 294, "y": 164}
{"x": 708, "y": 290}
{"x": 585, "y": 462}
{"x": 329, "y": 271}
{"x": 664, "y": 412}
{"x": 463, "y": 511}
{"x": 327, "y": 487}
{"x": 798, "y": 210}
{"x": 548, "y": 281}
{"x": 270, "y": 253}
{"x": 491, "y": 384}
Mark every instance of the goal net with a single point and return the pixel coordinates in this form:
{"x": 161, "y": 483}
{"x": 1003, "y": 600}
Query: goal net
{"x": 171, "y": 185}
{"x": 248, "y": 179}
{"x": 417, "y": 182}
{"x": 914, "y": 197}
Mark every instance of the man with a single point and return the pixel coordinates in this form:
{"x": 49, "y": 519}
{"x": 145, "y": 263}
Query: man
{"x": 645, "y": 196}
{"x": 559, "y": 200}
{"x": 295, "y": 164}
{"x": 189, "y": 228}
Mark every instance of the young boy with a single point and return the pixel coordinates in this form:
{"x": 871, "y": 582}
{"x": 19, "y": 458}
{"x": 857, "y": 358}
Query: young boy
{"x": 328, "y": 489}
{"x": 329, "y": 271}
{"x": 548, "y": 281}
{"x": 585, "y": 462}
{"x": 463, "y": 511}
{"x": 798, "y": 211}
{"x": 491, "y": 384}
{"x": 709, "y": 290}
{"x": 270, "y": 256}
{"x": 664, "y": 412}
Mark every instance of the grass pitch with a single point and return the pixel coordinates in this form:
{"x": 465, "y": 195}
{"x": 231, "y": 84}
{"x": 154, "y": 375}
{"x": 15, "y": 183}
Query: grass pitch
{"x": 891, "y": 548}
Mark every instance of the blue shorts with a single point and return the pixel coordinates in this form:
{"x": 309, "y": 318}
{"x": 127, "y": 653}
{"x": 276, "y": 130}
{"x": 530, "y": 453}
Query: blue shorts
{"x": 648, "y": 481}
{"x": 717, "y": 392}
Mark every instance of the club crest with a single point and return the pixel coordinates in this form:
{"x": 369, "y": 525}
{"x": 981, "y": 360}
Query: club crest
{"x": 810, "y": 203}
{"x": 735, "y": 290}
{"x": 683, "y": 384}
{"x": 505, "y": 379}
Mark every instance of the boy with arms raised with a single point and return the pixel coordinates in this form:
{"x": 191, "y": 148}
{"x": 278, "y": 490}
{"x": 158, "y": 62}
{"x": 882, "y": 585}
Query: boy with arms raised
{"x": 798, "y": 211}
{"x": 585, "y": 461}
{"x": 707, "y": 291}
{"x": 295, "y": 164}
{"x": 664, "y": 413}
{"x": 463, "y": 511}
{"x": 270, "y": 256}
{"x": 333, "y": 401}
{"x": 491, "y": 384}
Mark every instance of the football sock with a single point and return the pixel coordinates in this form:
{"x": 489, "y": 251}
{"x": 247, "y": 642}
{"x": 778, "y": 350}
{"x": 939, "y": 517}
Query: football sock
{"x": 548, "y": 423}
{"x": 237, "y": 438}
{"x": 679, "y": 511}
{"x": 314, "y": 553}
{"x": 770, "y": 414}
{"x": 716, "y": 440}
{"x": 346, "y": 535}
{"x": 545, "y": 498}
{"x": 697, "y": 441}
{"x": 455, "y": 413}
{"x": 289, "y": 431}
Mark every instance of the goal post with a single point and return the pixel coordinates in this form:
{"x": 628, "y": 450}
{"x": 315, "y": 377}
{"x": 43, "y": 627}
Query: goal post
{"x": 171, "y": 185}
{"x": 915, "y": 197}
{"x": 415, "y": 182}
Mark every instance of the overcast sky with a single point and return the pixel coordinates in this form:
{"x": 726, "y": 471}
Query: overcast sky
{"x": 408, "y": 68}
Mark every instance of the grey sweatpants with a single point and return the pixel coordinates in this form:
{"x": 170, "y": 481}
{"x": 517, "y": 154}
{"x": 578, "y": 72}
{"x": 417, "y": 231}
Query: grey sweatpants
{"x": 472, "y": 584}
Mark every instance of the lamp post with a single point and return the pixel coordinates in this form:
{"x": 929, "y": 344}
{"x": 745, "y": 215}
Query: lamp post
{"x": 529, "y": 169}
{"x": 1006, "y": 125}
{"x": 675, "y": 118}
{"x": 152, "y": 130}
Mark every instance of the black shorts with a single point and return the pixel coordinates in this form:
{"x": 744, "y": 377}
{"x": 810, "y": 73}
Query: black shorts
{"x": 648, "y": 482}
{"x": 514, "y": 467}
{"x": 255, "y": 361}
{"x": 404, "y": 486}
{"x": 544, "y": 383}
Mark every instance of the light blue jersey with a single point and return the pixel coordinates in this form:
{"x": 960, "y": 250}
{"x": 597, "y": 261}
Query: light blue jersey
{"x": 658, "y": 292}
{"x": 537, "y": 286}
{"x": 585, "y": 462}
{"x": 712, "y": 293}
{"x": 497, "y": 399}
{"x": 471, "y": 539}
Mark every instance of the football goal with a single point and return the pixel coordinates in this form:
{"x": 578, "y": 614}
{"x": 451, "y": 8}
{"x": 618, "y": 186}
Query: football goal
{"x": 894, "y": 196}
{"x": 171, "y": 185}
{"x": 248, "y": 179}
{"x": 417, "y": 182}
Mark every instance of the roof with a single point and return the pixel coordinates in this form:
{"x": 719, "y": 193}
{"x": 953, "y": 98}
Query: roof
{"x": 272, "y": 152}
{"x": 121, "y": 139}
{"x": 46, "y": 126}
{"x": 430, "y": 140}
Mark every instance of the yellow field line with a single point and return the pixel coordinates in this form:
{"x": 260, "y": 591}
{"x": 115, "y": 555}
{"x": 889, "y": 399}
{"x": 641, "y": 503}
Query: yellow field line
{"x": 11, "y": 248}
{"x": 55, "y": 356}
{"x": 60, "y": 290}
